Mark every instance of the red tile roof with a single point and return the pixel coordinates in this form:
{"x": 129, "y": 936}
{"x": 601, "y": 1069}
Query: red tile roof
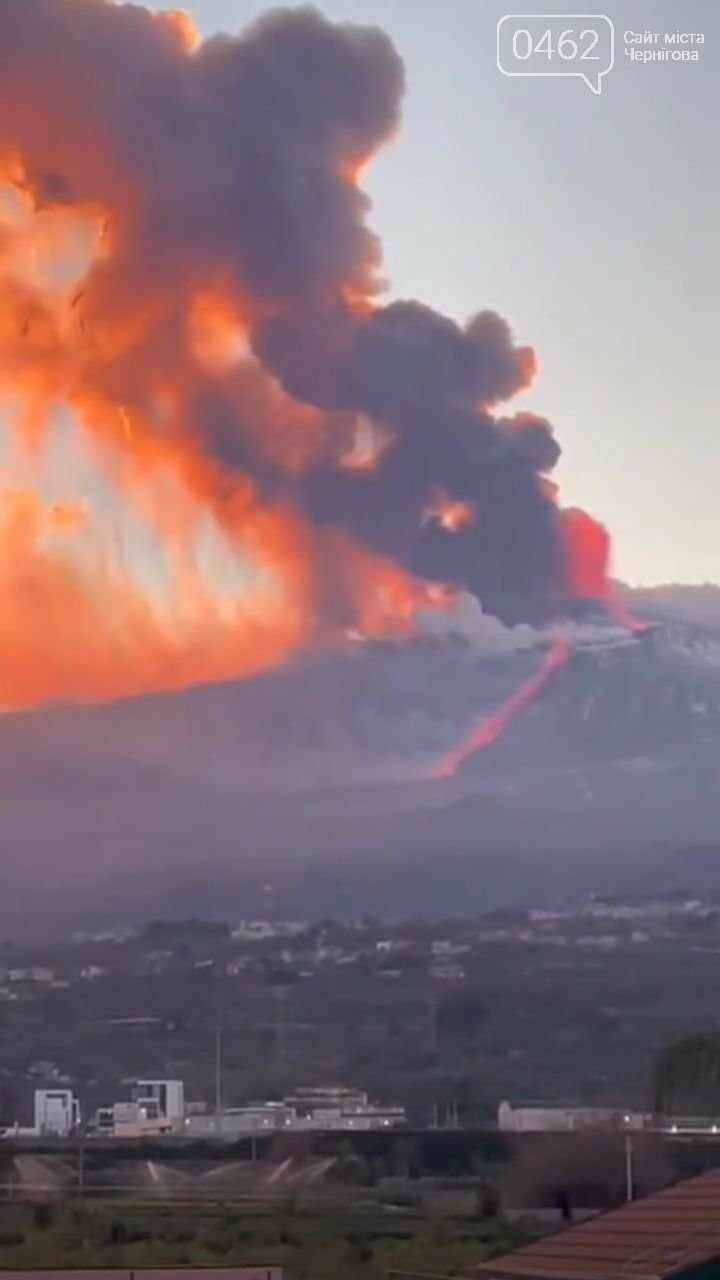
{"x": 650, "y": 1239}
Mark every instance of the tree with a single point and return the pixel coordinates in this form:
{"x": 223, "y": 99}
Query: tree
{"x": 488, "y": 1200}
{"x": 581, "y": 1169}
{"x": 686, "y": 1077}
{"x": 43, "y": 1216}
{"x": 461, "y": 1017}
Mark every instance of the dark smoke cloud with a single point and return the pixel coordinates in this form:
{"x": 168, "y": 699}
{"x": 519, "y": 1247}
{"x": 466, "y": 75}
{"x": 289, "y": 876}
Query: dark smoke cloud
{"x": 236, "y": 165}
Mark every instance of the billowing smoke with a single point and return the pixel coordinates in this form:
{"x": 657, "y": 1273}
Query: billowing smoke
{"x": 224, "y": 326}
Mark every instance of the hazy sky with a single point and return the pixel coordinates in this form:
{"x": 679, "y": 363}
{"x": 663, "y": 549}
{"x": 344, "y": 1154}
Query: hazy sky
{"x": 590, "y": 222}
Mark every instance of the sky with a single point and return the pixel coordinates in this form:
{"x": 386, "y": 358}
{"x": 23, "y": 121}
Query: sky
{"x": 590, "y": 222}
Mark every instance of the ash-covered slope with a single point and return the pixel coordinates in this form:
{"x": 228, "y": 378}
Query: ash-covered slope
{"x": 653, "y": 702}
{"x": 371, "y": 712}
{"x": 323, "y": 758}
{"x": 316, "y": 776}
{"x": 622, "y": 750}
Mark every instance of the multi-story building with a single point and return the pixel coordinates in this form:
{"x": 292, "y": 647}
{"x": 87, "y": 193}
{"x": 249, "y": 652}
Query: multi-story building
{"x": 156, "y": 1107}
{"x": 167, "y": 1097}
{"x": 56, "y": 1112}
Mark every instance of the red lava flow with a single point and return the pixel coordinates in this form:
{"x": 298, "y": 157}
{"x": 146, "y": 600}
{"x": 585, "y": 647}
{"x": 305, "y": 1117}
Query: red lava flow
{"x": 490, "y": 728}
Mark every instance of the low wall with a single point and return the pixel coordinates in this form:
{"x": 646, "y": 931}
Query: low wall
{"x": 150, "y": 1273}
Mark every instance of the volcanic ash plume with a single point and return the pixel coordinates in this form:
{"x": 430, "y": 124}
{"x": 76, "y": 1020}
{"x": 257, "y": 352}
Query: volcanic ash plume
{"x": 191, "y": 346}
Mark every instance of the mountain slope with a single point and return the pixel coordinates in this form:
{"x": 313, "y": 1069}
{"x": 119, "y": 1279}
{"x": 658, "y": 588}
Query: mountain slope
{"x": 315, "y": 776}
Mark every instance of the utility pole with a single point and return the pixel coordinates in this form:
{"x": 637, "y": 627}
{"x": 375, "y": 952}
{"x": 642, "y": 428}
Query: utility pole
{"x": 629, "y": 1180}
{"x": 432, "y": 1020}
{"x": 218, "y": 1059}
{"x": 81, "y": 1168}
{"x": 218, "y": 1072}
{"x": 81, "y": 1187}
{"x": 280, "y": 1040}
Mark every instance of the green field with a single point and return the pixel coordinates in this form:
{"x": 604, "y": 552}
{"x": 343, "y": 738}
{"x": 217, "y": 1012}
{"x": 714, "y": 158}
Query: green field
{"x": 358, "y": 1242}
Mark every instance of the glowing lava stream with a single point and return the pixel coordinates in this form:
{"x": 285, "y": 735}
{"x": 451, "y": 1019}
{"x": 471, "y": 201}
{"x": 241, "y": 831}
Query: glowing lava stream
{"x": 490, "y": 728}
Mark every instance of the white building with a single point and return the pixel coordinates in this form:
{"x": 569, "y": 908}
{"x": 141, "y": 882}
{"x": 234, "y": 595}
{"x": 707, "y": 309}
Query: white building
{"x": 256, "y": 1117}
{"x": 326, "y": 1097}
{"x": 368, "y": 1117}
{"x": 261, "y": 930}
{"x": 337, "y": 1107}
{"x": 134, "y": 1120}
{"x": 306, "y": 1111}
{"x": 155, "y": 1107}
{"x": 56, "y": 1112}
{"x": 536, "y": 1118}
{"x": 36, "y": 973}
{"x": 158, "y": 1107}
{"x": 166, "y": 1098}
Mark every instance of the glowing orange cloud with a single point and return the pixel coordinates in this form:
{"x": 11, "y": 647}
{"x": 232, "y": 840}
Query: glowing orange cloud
{"x": 451, "y": 513}
{"x": 80, "y": 628}
{"x": 192, "y": 348}
{"x": 107, "y": 349}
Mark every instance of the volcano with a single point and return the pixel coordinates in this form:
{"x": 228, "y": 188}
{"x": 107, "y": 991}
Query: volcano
{"x": 306, "y": 788}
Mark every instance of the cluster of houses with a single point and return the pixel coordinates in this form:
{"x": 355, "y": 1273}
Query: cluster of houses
{"x": 158, "y": 1107}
